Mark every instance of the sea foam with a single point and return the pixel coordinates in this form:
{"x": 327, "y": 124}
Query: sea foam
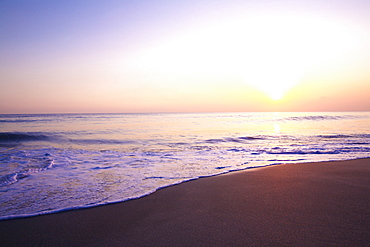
{"x": 51, "y": 163}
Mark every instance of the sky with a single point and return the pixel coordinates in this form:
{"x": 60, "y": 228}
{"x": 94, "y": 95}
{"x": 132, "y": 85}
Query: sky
{"x": 86, "y": 56}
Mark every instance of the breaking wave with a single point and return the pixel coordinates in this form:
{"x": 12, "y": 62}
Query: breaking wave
{"x": 35, "y": 165}
{"x": 22, "y": 137}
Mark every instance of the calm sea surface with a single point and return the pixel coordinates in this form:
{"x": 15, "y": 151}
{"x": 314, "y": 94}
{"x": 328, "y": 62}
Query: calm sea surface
{"x": 50, "y": 163}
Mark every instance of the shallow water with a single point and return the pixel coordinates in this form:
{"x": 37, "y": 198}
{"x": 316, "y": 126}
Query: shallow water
{"x": 55, "y": 162}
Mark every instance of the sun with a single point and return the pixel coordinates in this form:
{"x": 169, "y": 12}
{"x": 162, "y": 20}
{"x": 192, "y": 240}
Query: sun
{"x": 271, "y": 52}
{"x": 274, "y": 75}
{"x": 275, "y": 80}
{"x": 279, "y": 50}
{"x": 275, "y": 56}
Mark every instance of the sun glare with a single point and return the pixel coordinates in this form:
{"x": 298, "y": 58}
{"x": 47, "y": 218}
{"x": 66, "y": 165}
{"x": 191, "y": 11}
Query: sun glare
{"x": 274, "y": 76}
{"x": 274, "y": 62}
{"x": 282, "y": 48}
{"x": 269, "y": 52}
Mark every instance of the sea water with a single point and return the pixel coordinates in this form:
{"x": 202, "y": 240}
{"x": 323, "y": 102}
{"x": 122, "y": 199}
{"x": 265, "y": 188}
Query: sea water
{"x": 51, "y": 163}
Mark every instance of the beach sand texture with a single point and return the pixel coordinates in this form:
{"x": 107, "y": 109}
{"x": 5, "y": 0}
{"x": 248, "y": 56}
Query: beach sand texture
{"x": 313, "y": 204}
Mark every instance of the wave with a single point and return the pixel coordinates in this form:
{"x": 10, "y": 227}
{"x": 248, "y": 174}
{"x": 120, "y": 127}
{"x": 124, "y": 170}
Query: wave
{"x": 43, "y": 164}
{"x": 21, "y": 137}
{"x": 242, "y": 139}
{"x": 334, "y": 136}
{"x": 100, "y": 141}
{"x": 314, "y": 118}
{"x": 250, "y": 139}
{"x": 322, "y": 117}
{"x": 18, "y": 120}
{"x": 303, "y": 152}
{"x": 27, "y": 118}
{"x": 344, "y": 136}
{"x": 339, "y": 150}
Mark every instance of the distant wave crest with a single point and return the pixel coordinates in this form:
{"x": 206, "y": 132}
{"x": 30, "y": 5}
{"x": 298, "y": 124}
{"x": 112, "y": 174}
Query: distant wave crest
{"x": 240, "y": 139}
{"x": 21, "y": 137}
{"x": 320, "y": 118}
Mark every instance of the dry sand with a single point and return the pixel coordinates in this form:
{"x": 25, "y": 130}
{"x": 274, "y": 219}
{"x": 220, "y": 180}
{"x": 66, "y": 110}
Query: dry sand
{"x": 313, "y": 204}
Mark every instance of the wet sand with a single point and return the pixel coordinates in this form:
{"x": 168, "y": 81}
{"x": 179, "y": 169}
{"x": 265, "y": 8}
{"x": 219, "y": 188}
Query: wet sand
{"x": 313, "y": 204}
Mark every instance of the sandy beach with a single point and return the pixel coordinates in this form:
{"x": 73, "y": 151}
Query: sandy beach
{"x": 312, "y": 204}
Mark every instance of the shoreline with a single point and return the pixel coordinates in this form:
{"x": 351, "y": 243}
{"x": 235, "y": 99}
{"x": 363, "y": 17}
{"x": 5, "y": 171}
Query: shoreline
{"x": 11, "y": 217}
{"x": 310, "y": 204}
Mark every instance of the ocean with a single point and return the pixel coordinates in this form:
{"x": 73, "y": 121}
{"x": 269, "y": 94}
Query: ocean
{"x": 56, "y": 162}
